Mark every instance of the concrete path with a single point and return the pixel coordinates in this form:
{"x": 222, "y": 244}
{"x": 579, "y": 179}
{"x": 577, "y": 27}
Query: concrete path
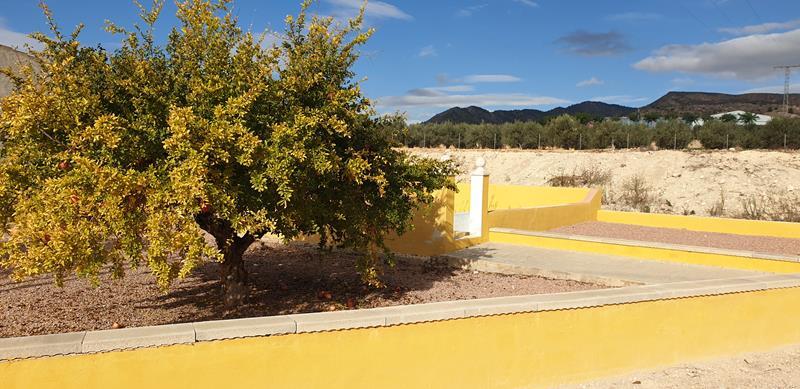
{"x": 597, "y": 268}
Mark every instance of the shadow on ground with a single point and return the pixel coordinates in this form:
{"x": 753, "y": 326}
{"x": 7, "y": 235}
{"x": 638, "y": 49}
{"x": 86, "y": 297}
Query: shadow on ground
{"x": 284, "y": 279}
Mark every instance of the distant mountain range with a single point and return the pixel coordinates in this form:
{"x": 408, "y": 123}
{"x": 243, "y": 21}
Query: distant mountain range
{"x": 673, "y": 103}
{"x": 477, "y": 115}
{"x": 703, "y": 103}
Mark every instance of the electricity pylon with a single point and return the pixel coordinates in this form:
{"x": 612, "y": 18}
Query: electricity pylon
{"x": 787, "y": 84}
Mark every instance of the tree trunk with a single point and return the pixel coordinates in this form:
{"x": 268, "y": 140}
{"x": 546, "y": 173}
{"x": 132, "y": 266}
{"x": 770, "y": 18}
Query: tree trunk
{"x": 233, "y": 274}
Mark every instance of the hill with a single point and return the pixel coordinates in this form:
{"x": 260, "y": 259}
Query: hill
{"x": 477, "y": 115}
{"x": 671, "y": 104}
{"x": 703, "y": 103}
{"x": 594, "y": 109}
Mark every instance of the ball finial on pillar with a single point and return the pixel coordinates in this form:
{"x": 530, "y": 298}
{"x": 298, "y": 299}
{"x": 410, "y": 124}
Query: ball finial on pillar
{"x": 480, "y": 165}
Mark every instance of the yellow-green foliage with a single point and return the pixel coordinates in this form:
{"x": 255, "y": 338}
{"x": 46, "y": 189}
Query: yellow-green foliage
{"x": 109, "y": 159}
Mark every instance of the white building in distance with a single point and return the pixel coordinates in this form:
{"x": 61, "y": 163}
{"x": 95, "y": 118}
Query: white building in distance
{"x": 761, "y": 120}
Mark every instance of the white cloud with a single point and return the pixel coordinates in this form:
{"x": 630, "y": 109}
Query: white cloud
{"x": 528, "y": 3}
{"x": 428, "y": 51}
{"x": 620, "y": 99}
{"x": 375, "y": 9}
{"x": 682, "y": 81}
{"x": 761, "y": 28}
{"x": 633, "y": 16}
{"x": 491, "y": 78}
{"x": 440, "y": 90}
{"x": 746, "y": 58}
{"x": 454, "y": 88}
{"x": 793, "y": 88}
{"x": 594, "y": 81}
{"x": 482, "y": 100}
{"x": 15, "y": 39}
{"x": 469, "y": 11}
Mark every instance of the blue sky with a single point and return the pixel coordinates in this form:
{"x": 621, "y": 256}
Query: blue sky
{"x": 427, "y": 56}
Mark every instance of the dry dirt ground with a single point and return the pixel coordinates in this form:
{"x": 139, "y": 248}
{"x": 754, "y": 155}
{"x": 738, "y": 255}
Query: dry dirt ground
{"x": 284, "y": 279}
{"x": 684, "y": 181}
{"x": 768, "y": 370}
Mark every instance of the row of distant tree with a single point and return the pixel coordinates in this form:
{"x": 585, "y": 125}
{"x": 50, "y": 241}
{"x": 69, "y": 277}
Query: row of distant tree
{"x": 569, "y": 132}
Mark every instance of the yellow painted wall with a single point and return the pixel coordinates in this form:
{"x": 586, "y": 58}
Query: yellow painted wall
{"x": 433, "y": 228}
{"x": 514, "y": 196}
{"x": 718, "y": 260}
{"x": 433, "y": 232}
{"x": 547, "y": 217}
{"x": 506, "y": 351}
{"x": 705, "y": 224}
{"x": 461, "y": 200}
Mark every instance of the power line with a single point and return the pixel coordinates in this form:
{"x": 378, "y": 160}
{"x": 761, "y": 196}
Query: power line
{"x": 758, "y": 17}
{"x": 787, "y": 84}
{"x": 721, "y": 11}
{"x": 688, "y": 11}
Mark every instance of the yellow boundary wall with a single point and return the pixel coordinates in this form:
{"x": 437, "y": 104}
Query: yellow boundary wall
{"x": 543, "y": 208}
{"x": 519, "y": 208}
{"x": 433, "y": 230}
{"x": 539, "y": 349}
{"x": 548, "y": 217}
{"x": 650, "y": 253}
{"x": 704, "y": 224}
{"x": 517, "y": 196}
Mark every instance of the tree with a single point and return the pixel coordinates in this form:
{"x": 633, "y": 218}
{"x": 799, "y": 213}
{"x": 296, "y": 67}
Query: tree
{"x": 111, "y": 160}
{"x": 748, "y": 118}
{"x": 651, "y": 117}
{"x": 523, "y": 135}
{"x": 690, "y": 118}
{"x": 584, "y": 118}
{"x": 778, "y": 130}
{"x": 728, "y": 118}
{"x": 673, "y": 133}
{"x": 564, "y": 130}
{"x": 716, "y": 134}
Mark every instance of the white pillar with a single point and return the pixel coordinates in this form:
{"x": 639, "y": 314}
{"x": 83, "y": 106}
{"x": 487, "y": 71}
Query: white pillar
{"x": 478, "y": 200}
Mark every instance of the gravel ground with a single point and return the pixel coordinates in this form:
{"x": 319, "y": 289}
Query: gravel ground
{"x": 284, "y": 279}
{"x": 774, "y": 369}
{"x": 685, "y": 237}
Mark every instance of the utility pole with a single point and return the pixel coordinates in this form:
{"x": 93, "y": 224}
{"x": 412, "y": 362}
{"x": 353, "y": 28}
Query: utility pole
{"x": 787, "y": 69}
